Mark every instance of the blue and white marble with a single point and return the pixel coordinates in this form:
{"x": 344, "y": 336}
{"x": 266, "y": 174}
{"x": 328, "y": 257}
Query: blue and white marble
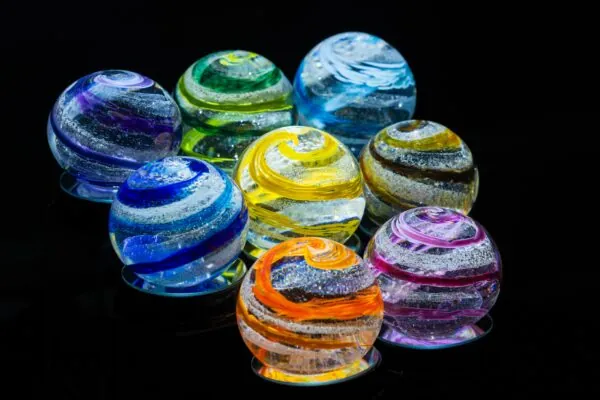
{"x": 178, "y": 223}
{"x": 353, "y": 85}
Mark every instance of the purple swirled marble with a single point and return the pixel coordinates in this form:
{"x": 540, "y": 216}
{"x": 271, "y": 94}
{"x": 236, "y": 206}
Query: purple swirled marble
{"x": 439, "y": 274}
{"x": 108, "y": 124}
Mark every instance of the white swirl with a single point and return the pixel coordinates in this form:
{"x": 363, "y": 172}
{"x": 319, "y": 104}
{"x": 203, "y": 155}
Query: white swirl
{"x": 196, "y": 90}
{"x": 362, "y": 59}
{"x": 206, "y": 190}
{"x": 123, "y": 79}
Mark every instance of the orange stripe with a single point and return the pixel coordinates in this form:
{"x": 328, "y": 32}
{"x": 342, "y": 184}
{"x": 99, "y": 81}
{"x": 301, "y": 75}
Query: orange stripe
{"x": 366, "y": 302}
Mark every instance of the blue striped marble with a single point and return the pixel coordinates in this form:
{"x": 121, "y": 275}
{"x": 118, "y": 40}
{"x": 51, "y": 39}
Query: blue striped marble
{"x": 178, "y": 222}
{"x": 352, "y": 85}
{"x": 108, "y": 124}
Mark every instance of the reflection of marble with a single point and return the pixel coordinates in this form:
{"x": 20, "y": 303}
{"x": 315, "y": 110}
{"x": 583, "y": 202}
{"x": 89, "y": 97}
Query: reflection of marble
{"x": 310, "y": 307}
{"x": 463, "y": 335}
{"x": 417, "y": 163}
{"x": 438, "y": 271}
{"x": 184, "y": 316}
{"x": 177, "y": 224}
{"x": 106, "y": 125}
{"x": 351, "y": 371}
{"x": 299, "y": 181}
{"x": 352, "y": 85}
{"x": 228, "y": 99}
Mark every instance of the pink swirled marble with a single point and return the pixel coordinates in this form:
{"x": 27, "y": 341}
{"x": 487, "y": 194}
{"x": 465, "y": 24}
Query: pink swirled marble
{"x": 438, "y": 271}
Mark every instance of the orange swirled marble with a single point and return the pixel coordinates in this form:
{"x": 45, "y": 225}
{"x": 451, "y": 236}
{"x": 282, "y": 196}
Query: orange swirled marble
{"x": 309, "y": 309}
{"x": 299, "y": 181}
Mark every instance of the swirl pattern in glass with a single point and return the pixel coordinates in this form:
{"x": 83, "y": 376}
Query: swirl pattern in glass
{"x": 178, "y": 222}
{"x": 417, "y": 163}
{"x": 352, "y": 85}
{"x": 228, "y": 99}
{"x": 438, "y": 271}
{"x": 109, "y": 123}
{"x": 300, "y": 181}
{"x": 309, "y": 306}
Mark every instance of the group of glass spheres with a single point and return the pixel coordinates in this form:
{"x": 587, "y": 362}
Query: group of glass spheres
{"x": 310, "y": 308}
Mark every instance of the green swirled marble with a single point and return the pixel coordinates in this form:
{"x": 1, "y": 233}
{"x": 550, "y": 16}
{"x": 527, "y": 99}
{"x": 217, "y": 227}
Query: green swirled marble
{"x": 228, "y": 99}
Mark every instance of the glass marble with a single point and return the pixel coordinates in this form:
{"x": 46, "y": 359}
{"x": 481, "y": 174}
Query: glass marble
{"x": 228, "y": 99}
{"x": 417, "y": 163}
{"x": 309, "y": 310}
{"x": 352, "y": 85}
{"x": 299, "y": 181}
{"x": 108, "y": 124}
{"x": 439, "y": 272}
{"x": 177, "y": 224}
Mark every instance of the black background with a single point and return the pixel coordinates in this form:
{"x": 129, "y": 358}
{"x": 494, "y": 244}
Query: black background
{"x": 517, "y": 84}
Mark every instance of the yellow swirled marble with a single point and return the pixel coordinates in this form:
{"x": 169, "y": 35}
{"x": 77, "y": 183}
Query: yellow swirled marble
{"x": 299, "y": 181}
